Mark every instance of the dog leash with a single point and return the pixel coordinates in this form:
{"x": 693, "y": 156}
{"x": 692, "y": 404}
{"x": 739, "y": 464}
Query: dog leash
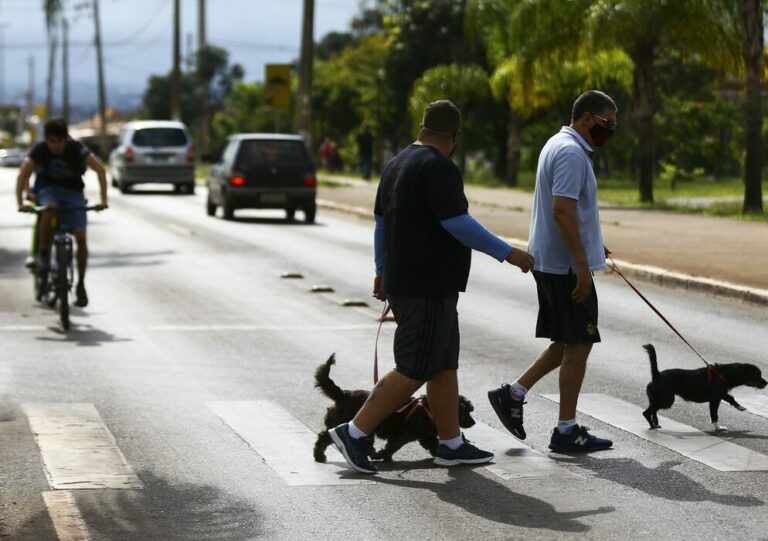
{"x": 665, "y": 320}
{"x": 382, "y": 319}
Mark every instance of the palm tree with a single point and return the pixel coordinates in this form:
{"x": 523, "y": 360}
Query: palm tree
{"x": 646, "y": 30}
{"x": 751, "y": 16}
{"x": 53, "y": 10}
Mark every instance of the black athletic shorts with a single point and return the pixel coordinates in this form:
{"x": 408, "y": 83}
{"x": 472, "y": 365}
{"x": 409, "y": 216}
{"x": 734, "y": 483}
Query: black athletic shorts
{"x": 561, "y": 319}
{"x": 427, "y": 335}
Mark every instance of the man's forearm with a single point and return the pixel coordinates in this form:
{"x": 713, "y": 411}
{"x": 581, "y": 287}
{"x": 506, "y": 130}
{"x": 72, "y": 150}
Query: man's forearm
{"x": 568, "y": 226}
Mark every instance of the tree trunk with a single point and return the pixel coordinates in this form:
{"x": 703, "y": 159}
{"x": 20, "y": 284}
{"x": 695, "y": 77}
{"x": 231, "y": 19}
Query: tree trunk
{"x": 514, "y": 142}
{"x": 500, "y": 130}
{"x": 643, "y": 105}
{"x": 752, "y": 50}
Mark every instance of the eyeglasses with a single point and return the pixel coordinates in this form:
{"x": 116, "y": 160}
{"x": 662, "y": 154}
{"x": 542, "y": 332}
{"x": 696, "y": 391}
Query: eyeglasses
{"x": 610, "y": 124}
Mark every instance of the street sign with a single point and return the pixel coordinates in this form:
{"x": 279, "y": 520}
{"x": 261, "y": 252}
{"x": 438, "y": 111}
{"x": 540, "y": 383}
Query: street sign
{"x": 277, "y": 85}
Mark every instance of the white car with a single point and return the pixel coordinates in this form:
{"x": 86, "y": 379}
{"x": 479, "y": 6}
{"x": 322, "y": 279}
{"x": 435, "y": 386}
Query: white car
{"x": 12, "y": 157}
{"x": 153, "y": 151}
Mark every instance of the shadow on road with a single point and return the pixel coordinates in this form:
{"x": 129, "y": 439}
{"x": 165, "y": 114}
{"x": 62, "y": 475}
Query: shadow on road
{"x": 82, "y": 335}
{"x": 491, "y": 500}
{"x": 13, "y": 261}
{"x": 662, "y": 481}
{"x": 274, "y": 221}
{"x": 165, "y": 510}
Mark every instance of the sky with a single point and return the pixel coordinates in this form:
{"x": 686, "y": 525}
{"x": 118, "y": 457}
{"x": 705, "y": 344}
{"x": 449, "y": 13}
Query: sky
{"x": 138, "y": 38}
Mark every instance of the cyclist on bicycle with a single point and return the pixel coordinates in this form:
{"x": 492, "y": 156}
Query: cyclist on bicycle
{"x": 59, "y": 164}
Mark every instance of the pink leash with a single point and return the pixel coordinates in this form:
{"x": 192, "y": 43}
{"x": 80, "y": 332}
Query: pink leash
{"x": 382, "y": 319}
{"x": 414, "y": 403}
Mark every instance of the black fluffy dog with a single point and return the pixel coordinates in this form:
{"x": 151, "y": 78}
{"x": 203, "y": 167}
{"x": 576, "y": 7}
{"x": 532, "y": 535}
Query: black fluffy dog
{"x": 710, "y": 384}
{"x": 412, "y": 424}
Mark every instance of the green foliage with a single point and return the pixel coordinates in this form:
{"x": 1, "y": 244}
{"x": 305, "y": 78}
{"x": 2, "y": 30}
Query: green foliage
{"x": 244, "y": 111}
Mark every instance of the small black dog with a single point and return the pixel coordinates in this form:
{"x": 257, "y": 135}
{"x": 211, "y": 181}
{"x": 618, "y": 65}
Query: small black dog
{"x": 710, "y": 384}
{"x": 414, "y": 423}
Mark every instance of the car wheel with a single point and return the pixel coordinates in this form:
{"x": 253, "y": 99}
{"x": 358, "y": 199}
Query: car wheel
{"x": 229, "y": 208}
{"x": 290, "y": 213}
{"x": 210, "y": 207}
{"x": 124, "y": 187}
{"x": 191, "y": 188}
{"x": 309, "y": 213}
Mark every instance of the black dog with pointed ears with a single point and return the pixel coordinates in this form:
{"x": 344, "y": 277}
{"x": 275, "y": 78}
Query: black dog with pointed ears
{"x": 709, "y": 384}
{"x": 411, "y": 423}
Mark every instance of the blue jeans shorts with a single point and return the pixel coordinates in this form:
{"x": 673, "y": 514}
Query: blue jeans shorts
{"x": 56, "y": 196}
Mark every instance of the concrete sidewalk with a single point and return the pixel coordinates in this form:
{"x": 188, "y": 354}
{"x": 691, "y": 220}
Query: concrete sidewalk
{"x": 718, "y": 255}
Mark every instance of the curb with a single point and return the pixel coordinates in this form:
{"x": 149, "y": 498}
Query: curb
{"x": 656, "y": 275}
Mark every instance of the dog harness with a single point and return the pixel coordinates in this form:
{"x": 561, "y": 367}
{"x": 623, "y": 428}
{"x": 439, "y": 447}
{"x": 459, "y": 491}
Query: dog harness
{"x": 412, "y": 405}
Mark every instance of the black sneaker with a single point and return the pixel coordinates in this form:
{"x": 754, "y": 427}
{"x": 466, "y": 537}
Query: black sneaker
{"x": 354, "y": 450}
{"x": 578, "y": 439}
{"x": 466, "y": 453}
{"x": 81, "y": 297}
{"x": 509, "y": 410}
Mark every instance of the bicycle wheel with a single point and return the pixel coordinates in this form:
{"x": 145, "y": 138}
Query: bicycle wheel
{"x": 62, "y": 282}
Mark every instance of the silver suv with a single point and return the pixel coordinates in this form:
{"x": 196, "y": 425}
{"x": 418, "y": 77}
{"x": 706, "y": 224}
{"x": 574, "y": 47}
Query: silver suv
{"x": 156, "y": 151}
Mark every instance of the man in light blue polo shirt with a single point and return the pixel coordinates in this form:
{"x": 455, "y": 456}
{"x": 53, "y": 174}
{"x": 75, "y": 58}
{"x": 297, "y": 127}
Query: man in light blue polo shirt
{"x": 567, "y": 246}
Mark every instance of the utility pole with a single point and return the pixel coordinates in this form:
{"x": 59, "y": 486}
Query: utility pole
{"x": 65, "y": 69}
{"x": 2, "y": 62}
{"x": 103, "y": 145}
{"x": 201, "y": 45}
{"x": 304, "y": 105}
{"x": 31, "y": 91}
{"x": 176, "y": 73}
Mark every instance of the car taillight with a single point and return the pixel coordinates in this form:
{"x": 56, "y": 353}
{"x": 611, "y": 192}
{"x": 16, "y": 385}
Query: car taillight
{"x": 128, "y": 154}
{"x": 191, "y": 154}
{"x": 310, "y": 181}
{"x": 237, "y": 181}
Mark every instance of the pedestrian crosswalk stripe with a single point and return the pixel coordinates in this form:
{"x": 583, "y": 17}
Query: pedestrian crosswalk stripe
{"x": 284, "y": 443}
{"x": 65, "y": 516}
{"x": 754, "y": 402}
{"x": 688, "y": 441}
{"x": 77, "y": 448}
{"x": 513, "y": 459}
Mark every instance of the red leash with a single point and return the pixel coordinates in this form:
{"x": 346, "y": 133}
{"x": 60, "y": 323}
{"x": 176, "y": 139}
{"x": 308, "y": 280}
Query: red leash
{"x": 616, "y": 269}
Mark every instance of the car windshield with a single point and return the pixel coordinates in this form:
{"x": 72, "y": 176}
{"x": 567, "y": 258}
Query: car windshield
{"x": 160, "y": 137}
{"x": 260, "y": 153}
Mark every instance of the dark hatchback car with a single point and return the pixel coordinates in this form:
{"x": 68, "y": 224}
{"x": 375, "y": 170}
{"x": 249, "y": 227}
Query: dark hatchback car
{"x": 263, "y": 171}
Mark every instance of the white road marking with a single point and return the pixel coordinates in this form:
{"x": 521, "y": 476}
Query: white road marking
{"x": 514, "y": 459}
{"x": 710, "y": 450}
{"x": 269, "y": 328}
{"x": 77, "y": 448}
{"x": 180, "y": 229}
{"x": 212, "y": 327}
{"x": 284, "y": 443}
{"x": 16, "y": 328}
{"x": 754, "y": 402}
{"x": 65, "y": 516}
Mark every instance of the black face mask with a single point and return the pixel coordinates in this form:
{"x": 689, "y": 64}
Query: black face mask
{"x": 600, "y": 134}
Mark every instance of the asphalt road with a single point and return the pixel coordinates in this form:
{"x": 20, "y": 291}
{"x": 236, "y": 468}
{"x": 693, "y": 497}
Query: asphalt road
{"x": 189, "y": 312}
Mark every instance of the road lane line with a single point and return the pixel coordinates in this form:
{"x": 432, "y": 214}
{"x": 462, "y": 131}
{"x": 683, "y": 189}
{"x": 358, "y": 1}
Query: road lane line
{"x": 514, "y": 459}
{"x": 710, "y": 450}
{"x": 15, "y": 328}
{"x": 754, "y": 402}
{"x": 284, "y": 443}
{"x": 269, "y": 328}
{"x": 65, "y": 515}
{"x": 77, "y": 448}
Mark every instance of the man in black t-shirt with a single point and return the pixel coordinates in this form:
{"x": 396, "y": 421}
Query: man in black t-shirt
{"x": 59, "y": 163}
{"x": 423, "y": 241}
{"x": 365, "y": 152}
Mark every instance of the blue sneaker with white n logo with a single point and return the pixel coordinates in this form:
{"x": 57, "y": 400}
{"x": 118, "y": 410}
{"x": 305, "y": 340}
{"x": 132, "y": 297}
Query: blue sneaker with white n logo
{"x": 579, "y": 440}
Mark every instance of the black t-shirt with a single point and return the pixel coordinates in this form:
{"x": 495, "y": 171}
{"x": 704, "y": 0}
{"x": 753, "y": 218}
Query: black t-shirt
{"x": 65, "y": 171}
{"x": 365, "y": 144}
{"x": 419, "y": 188}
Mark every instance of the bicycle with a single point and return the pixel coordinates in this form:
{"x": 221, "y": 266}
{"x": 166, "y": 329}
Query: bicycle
{"x": 53, "y": 284}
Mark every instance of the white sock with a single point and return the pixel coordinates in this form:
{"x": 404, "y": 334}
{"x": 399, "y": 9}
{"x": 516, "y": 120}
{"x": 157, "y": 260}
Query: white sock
{"x": 453, "y": 443}
{"x": 565, "y": 426}
{"x": 517, "y": 391}
{"x": 355, "y": 432}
